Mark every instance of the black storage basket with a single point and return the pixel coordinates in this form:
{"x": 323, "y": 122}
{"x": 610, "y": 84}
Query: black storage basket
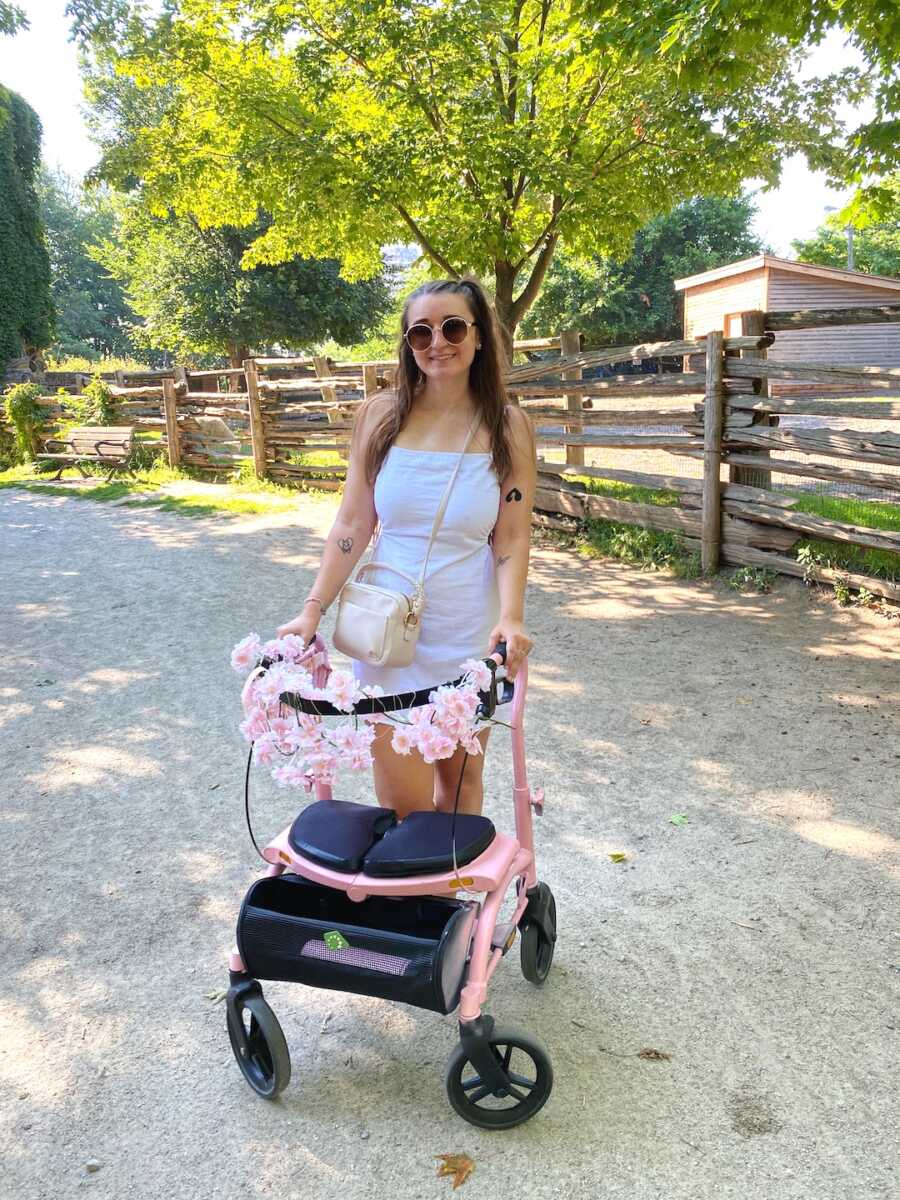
{"x": 411, "y": 949}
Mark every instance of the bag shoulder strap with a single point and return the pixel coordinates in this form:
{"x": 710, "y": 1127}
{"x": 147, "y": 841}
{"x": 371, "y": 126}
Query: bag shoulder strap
{"x": 442, "y": 507}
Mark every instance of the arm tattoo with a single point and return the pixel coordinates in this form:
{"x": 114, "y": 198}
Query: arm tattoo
{"x": 346, "y": 544}
{"x": 515, "y": 494}
{"x": 504, "y": 558}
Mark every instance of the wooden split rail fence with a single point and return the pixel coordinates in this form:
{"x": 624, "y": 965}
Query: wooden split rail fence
{"x": 293, "y": 418}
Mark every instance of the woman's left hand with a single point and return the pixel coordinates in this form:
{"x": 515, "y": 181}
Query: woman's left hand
{"x": 518, "y": 643}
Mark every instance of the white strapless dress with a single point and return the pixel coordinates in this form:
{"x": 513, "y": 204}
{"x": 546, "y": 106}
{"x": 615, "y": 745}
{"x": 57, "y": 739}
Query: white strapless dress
{"x": 461, "y": 599}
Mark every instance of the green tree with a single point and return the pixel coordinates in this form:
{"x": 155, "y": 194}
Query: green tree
{"x": 615, "y": 302}
{"x": 703, "y": 37}
{"x": 876, "y": 247}
{"x": 26, "y": 308}
{"x": 490, "y": 131}
{"x": 92, "y": 315}
{"x": 188, "y": 285}
{"x": 12, "y": 18}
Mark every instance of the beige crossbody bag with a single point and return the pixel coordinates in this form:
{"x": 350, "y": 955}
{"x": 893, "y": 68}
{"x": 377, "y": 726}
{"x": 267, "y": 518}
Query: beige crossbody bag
{"x": 380, "y": 626}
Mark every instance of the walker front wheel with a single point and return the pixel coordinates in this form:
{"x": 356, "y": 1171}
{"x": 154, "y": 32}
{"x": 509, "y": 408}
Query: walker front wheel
{"x": 258, "y": 1043}
{"x": 527, "y": 1075}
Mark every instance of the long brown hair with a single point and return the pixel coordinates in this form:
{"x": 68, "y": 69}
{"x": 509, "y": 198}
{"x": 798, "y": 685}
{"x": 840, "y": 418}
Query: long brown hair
{"x": 485, "y": 379}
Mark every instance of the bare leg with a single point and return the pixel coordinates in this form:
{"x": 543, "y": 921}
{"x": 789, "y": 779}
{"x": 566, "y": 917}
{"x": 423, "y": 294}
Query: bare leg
{"x": 404, "y": 782}
{"x": 446, "y": 779}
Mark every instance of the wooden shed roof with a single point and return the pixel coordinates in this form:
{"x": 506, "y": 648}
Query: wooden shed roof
{"x": 786, "y": 264}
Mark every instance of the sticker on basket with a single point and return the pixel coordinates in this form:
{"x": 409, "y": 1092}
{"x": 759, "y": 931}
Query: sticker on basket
{"x": 461, "y": 883}
{"x": 335, "y": 940}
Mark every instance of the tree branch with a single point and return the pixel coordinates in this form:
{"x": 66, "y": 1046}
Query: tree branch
{"x": 529, "y": 293}
{"x": 426, "y": 245}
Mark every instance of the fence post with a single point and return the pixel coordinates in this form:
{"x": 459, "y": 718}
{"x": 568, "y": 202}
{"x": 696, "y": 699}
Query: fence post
{"x": 570, "y": 343}
{"x": 752, "y": 324}
{"x": 711, "y": 519}
{"x": 257, "y": 429}
{"x": 170, "y": 412}
{"x": 370, "y": 380}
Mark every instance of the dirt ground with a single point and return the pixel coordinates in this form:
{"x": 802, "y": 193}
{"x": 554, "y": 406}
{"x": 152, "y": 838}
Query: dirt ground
{"x": 758, "y": 944}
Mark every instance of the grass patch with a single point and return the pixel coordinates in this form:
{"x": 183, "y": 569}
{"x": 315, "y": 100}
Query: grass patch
{"x": 233, "y": 499}
{"x": 625, "y": 491}
{"x": 841, "y": 556}
{"x": 649, "y": 549}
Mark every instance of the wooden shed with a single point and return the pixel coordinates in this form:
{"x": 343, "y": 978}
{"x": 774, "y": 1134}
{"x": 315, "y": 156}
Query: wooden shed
{"x": 715, "y": 299}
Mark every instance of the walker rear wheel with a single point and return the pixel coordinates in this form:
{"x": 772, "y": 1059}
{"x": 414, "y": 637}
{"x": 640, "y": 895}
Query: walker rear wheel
{"x": 529, "y": 1080}
{"x": 258, "y": 1044}
{"x": 536, "y": 949}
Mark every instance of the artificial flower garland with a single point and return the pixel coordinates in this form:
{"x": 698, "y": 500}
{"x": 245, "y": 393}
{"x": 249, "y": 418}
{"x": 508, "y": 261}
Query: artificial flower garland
{"x": 312, "y": 752}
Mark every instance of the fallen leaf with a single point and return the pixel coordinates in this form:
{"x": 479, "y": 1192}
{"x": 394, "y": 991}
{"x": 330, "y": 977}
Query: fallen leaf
{"x": 619, "y": 856}
{"x": 217, "y": 995}
{"x": 653, "y": 1055}
{"x": 678, "y": 819}
{"x": 646, "y": 721}
{"x": 460, "y": 1166}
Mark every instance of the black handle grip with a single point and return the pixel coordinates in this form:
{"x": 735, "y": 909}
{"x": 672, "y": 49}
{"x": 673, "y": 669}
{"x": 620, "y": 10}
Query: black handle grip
{"x": 500, "y": 649}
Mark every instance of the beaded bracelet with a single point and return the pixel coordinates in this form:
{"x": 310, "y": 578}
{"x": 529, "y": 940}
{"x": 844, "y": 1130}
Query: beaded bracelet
{"x": 315, "y": 600}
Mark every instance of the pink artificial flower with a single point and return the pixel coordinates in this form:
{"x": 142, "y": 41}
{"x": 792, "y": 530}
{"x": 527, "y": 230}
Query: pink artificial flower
{"x": 342, "y": 690}
{"x": 283, "y": 729}
{"x": 421, "y": 715}
{"x": 433, "y": 745}
{"x": 471, "y": 744}
{"x": 268, "y": 687}
{"x": 293, "y": 647}
{"x": 290, "y": 775}
{"x": 295, "y": 679}
{"x": 265, "y": 749}
{"x": 255, "y": 724}
{"x": 478, "y": 672}
{"x": 245, "y": 655}
{"x": 402, "y": 741}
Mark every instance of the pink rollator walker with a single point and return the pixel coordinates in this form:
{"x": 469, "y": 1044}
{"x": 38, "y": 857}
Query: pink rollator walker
{"x": 357, "y": 902}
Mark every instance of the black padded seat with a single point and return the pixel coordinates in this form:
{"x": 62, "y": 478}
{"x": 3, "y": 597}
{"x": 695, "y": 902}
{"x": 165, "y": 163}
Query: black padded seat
{"x": 338, "y": 834}
{"x": 420, "y": 845}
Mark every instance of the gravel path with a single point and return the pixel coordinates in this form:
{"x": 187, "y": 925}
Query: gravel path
{"x": 758, "y": 944}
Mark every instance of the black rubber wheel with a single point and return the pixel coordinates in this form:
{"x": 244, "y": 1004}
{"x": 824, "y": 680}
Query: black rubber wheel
{"x": 530, "y": 1082}
{"x": 259, "y": 1046}
{"x": 536, "y": 950}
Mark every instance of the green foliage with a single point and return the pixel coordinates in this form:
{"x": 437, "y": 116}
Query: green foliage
{"x": 92, "y": 315}
{"x": 12, "y": 18}
{"x": 26, "y": 417}
{"x": 189, "y": 287}
{"x": 752, "y": 579}
{"x": 626, "y": 491}
{"x": 845, "y": 556}
{"x": 616, "y": 302}
{"x": 95, "y": 405}
{"x": 489, "y": 134}
{"x": 703, "y": 39}
{"x": 26, "y": 308}
{"x": 876, "y": 246}
{"x": 649, "y": 549}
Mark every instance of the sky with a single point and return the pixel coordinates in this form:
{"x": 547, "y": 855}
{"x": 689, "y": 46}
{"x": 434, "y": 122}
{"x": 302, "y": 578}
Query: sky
{"x": 41, "y": 65}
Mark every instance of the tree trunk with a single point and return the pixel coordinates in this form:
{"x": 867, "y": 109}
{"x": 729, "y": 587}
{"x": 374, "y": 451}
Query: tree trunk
{"x": 237, "y": 353}
{"x": 504, "y": 306}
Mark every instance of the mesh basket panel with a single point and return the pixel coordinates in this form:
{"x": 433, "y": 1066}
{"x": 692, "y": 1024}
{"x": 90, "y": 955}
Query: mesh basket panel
{"x": 369, "y": 960}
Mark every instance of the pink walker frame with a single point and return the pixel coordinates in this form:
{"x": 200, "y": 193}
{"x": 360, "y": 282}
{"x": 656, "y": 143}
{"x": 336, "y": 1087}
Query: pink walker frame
{"x": 505, "y": 859}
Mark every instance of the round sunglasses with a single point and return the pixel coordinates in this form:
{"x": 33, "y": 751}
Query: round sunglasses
{"x": 455, "y": 330}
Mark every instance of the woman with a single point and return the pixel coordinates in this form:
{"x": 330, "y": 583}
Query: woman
{"x": 404, "y": 447}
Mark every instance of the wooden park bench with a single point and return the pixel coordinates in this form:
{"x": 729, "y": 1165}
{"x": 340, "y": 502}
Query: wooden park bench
{"x": 109, "y": 445}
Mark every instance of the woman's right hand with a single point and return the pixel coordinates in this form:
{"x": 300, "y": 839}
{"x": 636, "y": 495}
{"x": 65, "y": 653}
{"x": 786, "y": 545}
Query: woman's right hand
{"x": 303, "y": 625}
